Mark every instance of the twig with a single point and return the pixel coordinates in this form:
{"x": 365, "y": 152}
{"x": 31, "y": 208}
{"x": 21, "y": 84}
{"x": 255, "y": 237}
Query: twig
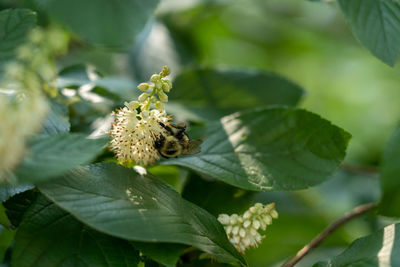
{"x": 359, "y": 169}
{"x": 332, "y": 227}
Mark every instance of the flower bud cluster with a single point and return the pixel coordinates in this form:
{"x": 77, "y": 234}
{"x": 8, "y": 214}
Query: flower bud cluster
{"x": 242, "y": 230}
{"x": 137, "y": 126}
{"x": 159, "y": 88}
{"x": 35, "y": 68}
{"x": 23, "y": 105}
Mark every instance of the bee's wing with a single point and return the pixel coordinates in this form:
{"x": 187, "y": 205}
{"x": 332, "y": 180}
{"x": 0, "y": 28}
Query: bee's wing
{"x": 194, "y": 146}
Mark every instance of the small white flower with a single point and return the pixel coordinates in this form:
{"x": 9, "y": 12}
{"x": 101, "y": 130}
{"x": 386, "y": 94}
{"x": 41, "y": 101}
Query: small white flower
{"x": 133, "y": 137}
{"x": 242, "y": 230}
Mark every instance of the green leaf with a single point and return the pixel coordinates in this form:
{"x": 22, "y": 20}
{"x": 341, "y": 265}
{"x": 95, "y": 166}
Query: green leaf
{"x": 269, "y": 149}
{"x": 234, "y": 88}
{"x": 105, "y": 22}
{"x": 57, "y": 120}
{"x": 381, "y": 248}
{"x": 376, "y": 23}
{"x": 53, "y": 155}
{"x": 118, "y": 201}
{"x": 390, "y": 182}
{"x": 18, "y": 204}
{"x": 49, "y": 236}
{"x": 164, "y": 253}
{"x": 14, "y": 25}
{"x": 7, "y": 191}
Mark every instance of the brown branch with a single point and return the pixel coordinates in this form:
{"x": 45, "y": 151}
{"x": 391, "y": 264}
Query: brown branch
{"x": 360, "y": 169}
{"x": 324, "y": 234}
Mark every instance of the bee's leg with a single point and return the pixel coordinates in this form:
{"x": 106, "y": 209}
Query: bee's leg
{"x": 166, "y": 128}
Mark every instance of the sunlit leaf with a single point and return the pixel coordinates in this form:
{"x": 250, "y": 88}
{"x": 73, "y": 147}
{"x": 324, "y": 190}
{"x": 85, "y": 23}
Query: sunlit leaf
{"x": 269, "y": 149}
{"x": 379, "y": 249}
{"x": 118, "y": 201}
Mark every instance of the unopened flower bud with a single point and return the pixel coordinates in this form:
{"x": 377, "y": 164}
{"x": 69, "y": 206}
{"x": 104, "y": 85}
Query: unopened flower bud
{"x": 154, "y": 78}
{"x": 256, "y": 224}
{"x": 158, "y": 85}
{"x": 223, "y": 218}
{"x": 242, "y": 230}
{"x": 242, "y": 233}
{"x": 24, "y": 52}
{"x": 166, "y": 86}
{"x": 165, "y": 71}
{"x": 143, "y": 97}
{"x": 163, "y": 97}
{"x": 143, "y": 86}
{"x": 274, "y": 214}
{"x": 159, "y": 105}
{"x": 153, "y": 99}
{"x": 247, "y": 214}
{"x": 36, "y": 36}
{"x": 132, "y": 105}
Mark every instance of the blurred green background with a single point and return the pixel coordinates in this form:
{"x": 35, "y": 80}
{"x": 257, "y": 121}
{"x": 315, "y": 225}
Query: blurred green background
{"x": 307, "y": 42}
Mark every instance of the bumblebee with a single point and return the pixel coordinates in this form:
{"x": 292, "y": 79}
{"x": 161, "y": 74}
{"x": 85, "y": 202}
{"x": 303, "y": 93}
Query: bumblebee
{"x": 177, "y": 142}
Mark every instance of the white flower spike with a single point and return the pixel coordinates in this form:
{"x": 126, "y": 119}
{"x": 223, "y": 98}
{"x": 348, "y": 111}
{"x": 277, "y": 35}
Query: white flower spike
{"x": 242, "y": 230}
{"x": 23, "y": 104}
{"x": 137, "y": 125}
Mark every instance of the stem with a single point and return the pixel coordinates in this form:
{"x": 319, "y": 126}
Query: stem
{"x": 357, "y": 211}
{"x": 147, "y": 107}
{"x": 358, "y": 169}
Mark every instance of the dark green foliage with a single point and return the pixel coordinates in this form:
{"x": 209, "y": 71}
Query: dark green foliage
{"x": 57, "y": 120}
{"x": 106, "y": 22}
{"x": 118, "y": 201}
{"x": 390, "y": 182}
{"x": 49, "y": 236}
{"x": 217, "y": 197}
{"x": 234, "y": 88}
{"x": 55, "y": 154}
{"x": 376, "y": 23}
{"x": 14, "y": 25}
{"x": 18, "y": 204}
